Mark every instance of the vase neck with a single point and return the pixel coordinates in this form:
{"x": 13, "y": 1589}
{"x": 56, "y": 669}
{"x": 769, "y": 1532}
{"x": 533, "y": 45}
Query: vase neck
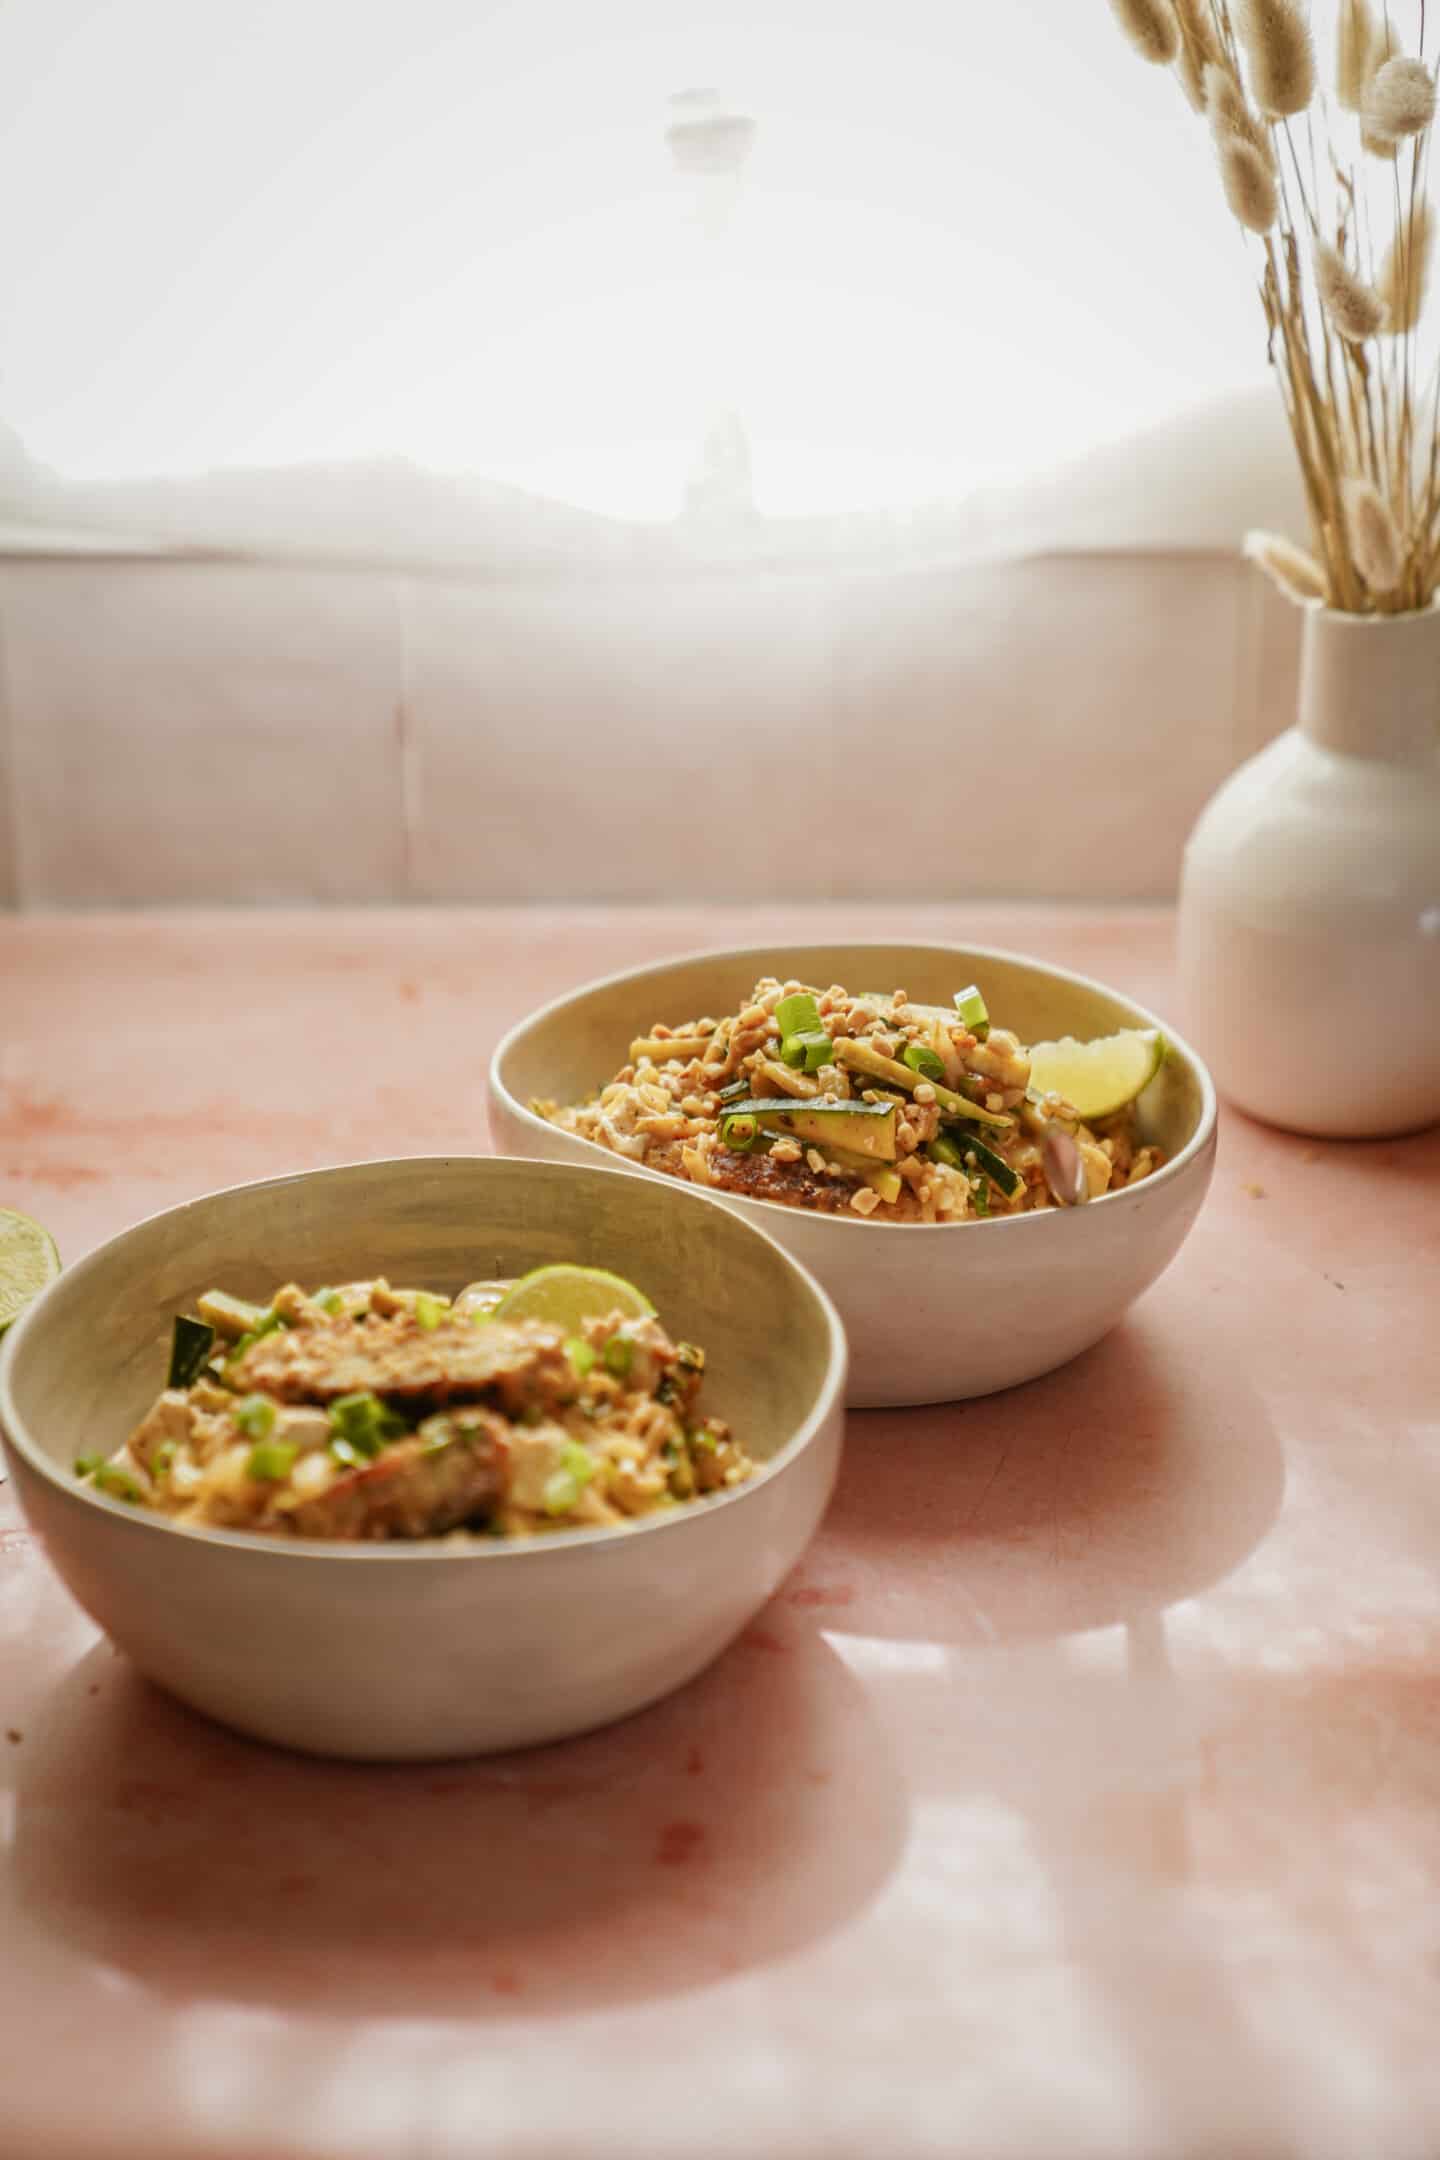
{"x": 1370, "y": 684}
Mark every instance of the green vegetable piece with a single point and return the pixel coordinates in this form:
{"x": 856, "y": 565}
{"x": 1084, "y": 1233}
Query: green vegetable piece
{"x": 739, "y": 1132}
{"x": 365, "y": 1422}
{"x": 863, "y": 1128}
{"x": 231, "y": 1317}
{"x": 732, "y": 1091}
{"x": 255, "y": 1416}
{"x": 271, "y": 1460}
{"x": 798, "y": 1015}
{"x": 190, "y": 1344}
{"x": 619, "y": 1355}
{"x": 690, "y": 1357}
{"x": 973, "y": 1012}
{"x": 808, "y": 1052}
{"x": 330, "y": 1301}
{"x": 923, "y": 1061}
{"x": 944, "y": 1148}
{"x": 344, "y": 1451}
{"x": 980, "y": 1192}
{"x": 994, "y": 1166}
{"x": 562, "y": 1490}
{"x": 429, "y": 1311}
{"x": 861, "y": 1057}
{"x": 162, "y": 1459}
{"x": 87, "y": 1465}
{"x": 582, "y": 1356}
{"x": 109, "y": 1478}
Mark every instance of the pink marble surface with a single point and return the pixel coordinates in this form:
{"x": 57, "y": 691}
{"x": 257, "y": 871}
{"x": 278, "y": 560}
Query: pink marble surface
{"x": 1080, "y": 1794}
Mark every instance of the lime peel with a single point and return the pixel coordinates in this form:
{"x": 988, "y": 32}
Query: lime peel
{"x": 29, "y": 1263}
{"x": 565, "y": 1295}
{"x": 1100, "y": 1077}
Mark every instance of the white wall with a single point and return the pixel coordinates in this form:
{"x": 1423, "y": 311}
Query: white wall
{"x": 177, "y": 732}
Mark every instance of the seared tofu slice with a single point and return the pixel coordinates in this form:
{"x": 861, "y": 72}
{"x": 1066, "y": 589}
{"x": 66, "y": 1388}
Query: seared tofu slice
{"x": 411, "y": 1366}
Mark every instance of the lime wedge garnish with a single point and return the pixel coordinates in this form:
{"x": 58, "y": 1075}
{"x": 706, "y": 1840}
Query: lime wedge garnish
{"x": 28, "y": 1264}
{"x": 564, "y": 1296}
{"x": 1098, "y": 1077}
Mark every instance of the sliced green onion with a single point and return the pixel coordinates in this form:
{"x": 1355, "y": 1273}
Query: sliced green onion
{"x": 923, "y": 1061}
{"x": 330, "y": 1301}
{"x": 344, "y": 1452}
{"x": 267, "y": 1323}
{"x": 87, "y": 1465}
{"x": 110, "y": 1479}
{"x": 980, "y": 1193}
{"x": 943, "y": 1149}
{"x": 619, "y": 1355}
{"x": 562, "y": 1490}
{"x": 797, "y": 1015}
{"x": 582, "y": 1356}
{"x": 808, "y": 1051}
{"x": 732, "y": 1091}
{"x": 429, "y": 1311}
{"x": 255, "y": 1416}
{"x": 702, "y": 1439}
{"x": 191, "y": 1342}
{"x": 271, "y": 1460}
{"x": 739, "y": 1132}
{"x": 365, "y": 1422}
{"x": 163, "y": 1457}
{"x": 973, "y": 1011}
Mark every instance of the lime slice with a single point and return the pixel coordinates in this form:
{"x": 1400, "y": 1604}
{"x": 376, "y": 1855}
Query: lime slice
{"x": 1097, "y": 1077}
{"x": 28, "y": 1262}
{"x": 564, "y": 1296}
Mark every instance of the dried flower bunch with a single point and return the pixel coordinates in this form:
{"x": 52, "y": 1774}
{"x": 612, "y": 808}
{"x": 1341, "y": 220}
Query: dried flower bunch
{"x": 1303, "y": 167}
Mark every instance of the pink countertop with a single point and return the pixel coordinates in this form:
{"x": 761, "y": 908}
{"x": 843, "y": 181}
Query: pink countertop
{"x": 1079, "y": 1795}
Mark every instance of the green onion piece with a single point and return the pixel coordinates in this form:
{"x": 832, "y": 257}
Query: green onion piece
{"x": 562, "y": 1490}
{"x": 973, "y": 1011}
{"x": 87, "y": 1465}
{"x": 980, "y": 1191}
{"x": 271, "y": 1460}
{"x": 578, "y": 1461}
{"x": 265, "y": 1325}
{"x": 345, "y": 1453}
{"x": 109, "y": 1479}
{"x": 922, "y": 1061}
{"x": 191, "y": 1342}
{"x": 732, "y": 1091}
{"x": 429, "y": 1311}
{"x": 807, "y": 1052}
{"x": 943, "y": 1149}
{"x": 798, "y": 1015}
{"x": 365, "y": 1422}
{"x": 739, "y": 1132}
{"x": 619, "y": 1355}
{"x": 702, "y": 1439}
{"x": 255, "y": 1416}
{"x": 164, "y": 1456}
{"x": 582, "y": 1356}
{"x": 330, "y": 1301}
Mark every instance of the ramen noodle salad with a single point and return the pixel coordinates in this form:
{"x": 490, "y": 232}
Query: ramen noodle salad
{"x": 856, "y": 1103}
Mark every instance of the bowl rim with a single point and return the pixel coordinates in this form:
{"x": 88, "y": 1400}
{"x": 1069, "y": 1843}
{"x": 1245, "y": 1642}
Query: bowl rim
{"x": 743, "y": 1203}
{"x": 15, "y": 1435}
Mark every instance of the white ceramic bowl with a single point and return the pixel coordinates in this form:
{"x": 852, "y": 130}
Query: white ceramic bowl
{"x": 933, "y": 1312}
{"x": 422, "y": 1651}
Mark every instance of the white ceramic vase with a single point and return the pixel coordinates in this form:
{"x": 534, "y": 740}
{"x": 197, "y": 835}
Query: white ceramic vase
{"x": 1309, "y": 926}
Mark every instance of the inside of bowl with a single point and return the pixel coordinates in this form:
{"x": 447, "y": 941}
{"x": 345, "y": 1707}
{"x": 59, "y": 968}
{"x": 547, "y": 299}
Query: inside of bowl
{"x": 91, "y": 1357}
{"x": 567, "y": 1053}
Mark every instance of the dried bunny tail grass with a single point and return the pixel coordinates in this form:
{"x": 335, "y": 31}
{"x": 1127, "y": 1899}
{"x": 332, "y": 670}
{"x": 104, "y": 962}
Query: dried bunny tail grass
{"x": 1404, "y": 273}
{"x": 1354, "y": 308}
{"x": 1231, "y": 119}
{"x": 1384, "y": 47}
{"x": 1281, "y": 52}
{"x": 1151, "y": 28}
{"x": 1199, "y": 49}
{"x": 1400, "y": 99}
{"x": 1374, "y": 539}
{"x": 1288, "y": 566}
{"x": 1355, "y": 39}
{"x": 1249, "y": 185}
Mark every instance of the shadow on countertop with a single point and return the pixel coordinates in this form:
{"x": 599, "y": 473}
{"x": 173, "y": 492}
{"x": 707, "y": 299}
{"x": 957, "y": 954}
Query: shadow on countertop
{"x": 751, "y": 1814}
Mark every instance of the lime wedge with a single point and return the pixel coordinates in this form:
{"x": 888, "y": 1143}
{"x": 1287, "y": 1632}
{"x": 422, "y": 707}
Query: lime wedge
{"x": 564, "y": 1296}
{"x": 28, "y": 1263}
{"x": 1097, "y": 1077}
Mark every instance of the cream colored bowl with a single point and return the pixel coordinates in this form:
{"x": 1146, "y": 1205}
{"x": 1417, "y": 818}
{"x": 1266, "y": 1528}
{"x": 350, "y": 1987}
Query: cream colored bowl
{"x": 419, "y": 1651}
{"x": 934, "y": 1312}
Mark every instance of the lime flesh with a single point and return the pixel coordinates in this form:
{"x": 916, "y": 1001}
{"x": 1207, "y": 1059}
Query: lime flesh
{"x": 565, "y": 1296}
{"x": 28, "y": 1264}
{"x": 1097, "y": 1078}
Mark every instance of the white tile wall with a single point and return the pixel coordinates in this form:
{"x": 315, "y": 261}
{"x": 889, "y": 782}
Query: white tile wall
{"x": 208, "y": 732}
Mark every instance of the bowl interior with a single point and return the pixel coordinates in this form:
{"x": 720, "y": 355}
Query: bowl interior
{"x": 573, "y": 1047}
{"x": 86, "y": 1361}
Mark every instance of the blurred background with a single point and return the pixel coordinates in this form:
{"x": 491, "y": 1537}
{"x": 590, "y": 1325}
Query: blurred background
{"x": 439, "y": 443}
